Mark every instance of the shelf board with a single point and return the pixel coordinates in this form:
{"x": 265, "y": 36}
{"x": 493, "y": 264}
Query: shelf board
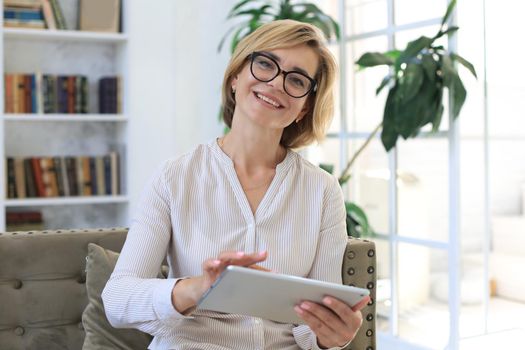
{"x": 35, "y": 202}
{"x": 66, "y": 117}
{"x": 63, "y": 35}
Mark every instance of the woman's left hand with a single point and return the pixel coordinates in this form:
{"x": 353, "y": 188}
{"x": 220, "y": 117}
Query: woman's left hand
{"x": 334, "y": 322}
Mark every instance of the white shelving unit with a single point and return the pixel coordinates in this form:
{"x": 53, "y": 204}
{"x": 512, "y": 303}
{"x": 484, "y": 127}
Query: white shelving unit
{"x": 66, "y": 52}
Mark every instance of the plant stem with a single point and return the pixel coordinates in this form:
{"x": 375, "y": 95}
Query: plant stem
{"x": 359, "y": 151}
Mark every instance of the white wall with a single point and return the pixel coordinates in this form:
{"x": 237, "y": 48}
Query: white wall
{"x": 175, "y": 78}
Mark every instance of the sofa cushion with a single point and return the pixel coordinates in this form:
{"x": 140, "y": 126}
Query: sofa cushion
{"x": 99, "y": 333}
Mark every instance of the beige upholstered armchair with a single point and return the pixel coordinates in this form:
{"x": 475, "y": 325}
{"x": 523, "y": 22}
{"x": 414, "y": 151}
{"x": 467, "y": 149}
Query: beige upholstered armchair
{"x": 43, "y": 292}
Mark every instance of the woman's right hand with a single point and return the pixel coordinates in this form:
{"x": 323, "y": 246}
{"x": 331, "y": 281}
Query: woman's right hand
{"x": 187, "y": 292}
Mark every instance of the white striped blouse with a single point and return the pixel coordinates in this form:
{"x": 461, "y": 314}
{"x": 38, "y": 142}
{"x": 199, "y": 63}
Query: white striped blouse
{"x": 194, "y": 208}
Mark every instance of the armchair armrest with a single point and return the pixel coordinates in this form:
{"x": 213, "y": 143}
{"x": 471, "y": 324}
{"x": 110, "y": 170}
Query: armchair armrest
{"x": 359, "y": 269}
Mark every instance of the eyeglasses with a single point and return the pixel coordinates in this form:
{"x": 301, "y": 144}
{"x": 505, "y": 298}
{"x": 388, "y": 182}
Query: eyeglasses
{"x": 296, "y": 84}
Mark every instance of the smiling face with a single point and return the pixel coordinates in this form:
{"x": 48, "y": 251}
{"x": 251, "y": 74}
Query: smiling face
{"x": 266, "y": 103}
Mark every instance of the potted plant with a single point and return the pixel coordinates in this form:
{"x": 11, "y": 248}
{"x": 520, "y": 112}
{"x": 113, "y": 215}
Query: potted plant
{"x": 417, "y": 79}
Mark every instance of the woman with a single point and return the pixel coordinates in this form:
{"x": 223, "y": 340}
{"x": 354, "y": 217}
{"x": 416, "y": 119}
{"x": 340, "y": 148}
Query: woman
{"x": 244, "y": 199}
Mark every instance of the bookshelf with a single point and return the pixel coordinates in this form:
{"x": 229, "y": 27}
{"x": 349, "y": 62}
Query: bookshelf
{"x": 66, "y": 52}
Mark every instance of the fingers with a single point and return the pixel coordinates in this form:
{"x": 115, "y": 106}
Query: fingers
{"x": 334, "y": 322}
{"x": 362, "y": 304}
{"x": 214, "y": 267}
{"x": 323, "y": 329}
{"x": 241, "y": 258}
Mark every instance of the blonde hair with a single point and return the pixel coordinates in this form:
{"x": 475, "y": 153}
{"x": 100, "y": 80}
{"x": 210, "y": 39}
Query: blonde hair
{"x": 320, "y": 104}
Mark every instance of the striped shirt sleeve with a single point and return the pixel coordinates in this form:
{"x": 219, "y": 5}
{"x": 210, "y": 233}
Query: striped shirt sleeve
{"x": 133, "y": 296}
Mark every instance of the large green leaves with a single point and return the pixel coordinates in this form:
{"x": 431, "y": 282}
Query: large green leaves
{"x": 258, "y": 12}
{"x": 417, "y": 79}
{"x": 357, "y": 224}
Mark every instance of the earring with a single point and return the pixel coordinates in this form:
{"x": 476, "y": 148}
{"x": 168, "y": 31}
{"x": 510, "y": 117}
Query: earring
{"x": 233, "y": 90}
{"x": 297, "y": 120}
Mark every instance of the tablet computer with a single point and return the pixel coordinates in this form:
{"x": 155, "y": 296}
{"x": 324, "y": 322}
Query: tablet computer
{"x": 272, "y": 296}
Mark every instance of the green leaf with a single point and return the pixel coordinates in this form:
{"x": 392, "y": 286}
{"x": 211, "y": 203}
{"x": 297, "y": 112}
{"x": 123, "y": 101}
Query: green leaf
{"x": 412, "y": 114}
{"x": 454, "y": 84}
{"x": 449, "y": 31}
{"x": 449, "y": 12}
{"x": 384, "y": 83}
{"x": 389, "y": 133}
{"x": 329, "y": 168}
{"x": 459, "y": 95}
{"x": 437, "y": 119}
{"x": 447, "y": 70}
{"x": 359, "y": 220}
{"x": 429, "y": 66}
{"x": 413, "y": 48}
{"x": 465, "y": 63}
{"x": 371, "y": 59}
{"x": 253, "y": 12}
{"x": 393, "y": 54}
{"x": 238, "y": 6}
{"x": 410, "y": 82}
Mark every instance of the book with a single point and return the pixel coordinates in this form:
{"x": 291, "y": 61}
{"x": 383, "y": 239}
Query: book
{"x": 20, "y": 181}
{"x": 30, "y": 179}
{"x": 80, "y": 175}
{"x": 8, "y": 93}
{"x": 31, "y": 24}
{"x": 84, "y": 94}
{"x": 27, "y": 106}
{"x": 11, "y": 182}
{"x": 107, "y": 173}
{"x": 71, "y": 170}
{"x": 57, "y": 165}
{"x": 65, "y": 177}
{"x": 49, "y": 16}
{"x": 24, "y": 221}
{"x": 93, "y": 176}
{"x": 37, "y": 173}
{"x": 114, "y": 173}
{"x": 86, "y": 176}
{"x": 58, "y": 14}
{"x": 99, "y": 15}
{"x": 108, "y": 95}
{"x": 101, "y": 183}
{"x": 71, "y": 94}
{"x": 23, "y": 14}
{"x": 49, "y": 177}
{"x": 22, "y": 3}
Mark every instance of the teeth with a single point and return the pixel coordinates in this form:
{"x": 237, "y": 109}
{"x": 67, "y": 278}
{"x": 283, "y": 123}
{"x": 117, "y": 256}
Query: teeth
{"x": 270, "y": 101}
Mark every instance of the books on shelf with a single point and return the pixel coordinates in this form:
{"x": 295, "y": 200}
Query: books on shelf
{"x": 65, "y": 94}
{"x": 24, "y": 221}
{"x": 37, "y": 93}
{"x": 110, "y": 95}
{"x": 35, "y": 14}
{"x": 65, "y": 176}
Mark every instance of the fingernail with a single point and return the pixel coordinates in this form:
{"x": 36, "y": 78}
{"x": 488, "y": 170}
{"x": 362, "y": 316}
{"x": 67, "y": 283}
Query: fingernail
{"x": 327, "y": 301}
{"x": 263, "y": 253}
{"x": 298, "y": 310}
{"x": 216, "y": 262}
{"x": 305, "y": 306}
{"x": 240, "y": 254}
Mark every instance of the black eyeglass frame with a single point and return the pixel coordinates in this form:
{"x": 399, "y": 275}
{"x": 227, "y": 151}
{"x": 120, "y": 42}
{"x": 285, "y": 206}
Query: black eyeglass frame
{"x": 313, "y": 82}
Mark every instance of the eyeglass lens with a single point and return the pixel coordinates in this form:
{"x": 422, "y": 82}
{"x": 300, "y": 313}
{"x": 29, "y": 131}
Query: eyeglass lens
{"x": 265, "y": 69}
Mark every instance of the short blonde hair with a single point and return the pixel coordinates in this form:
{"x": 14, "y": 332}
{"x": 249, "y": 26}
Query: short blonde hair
{"x": 320, "y": 104}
